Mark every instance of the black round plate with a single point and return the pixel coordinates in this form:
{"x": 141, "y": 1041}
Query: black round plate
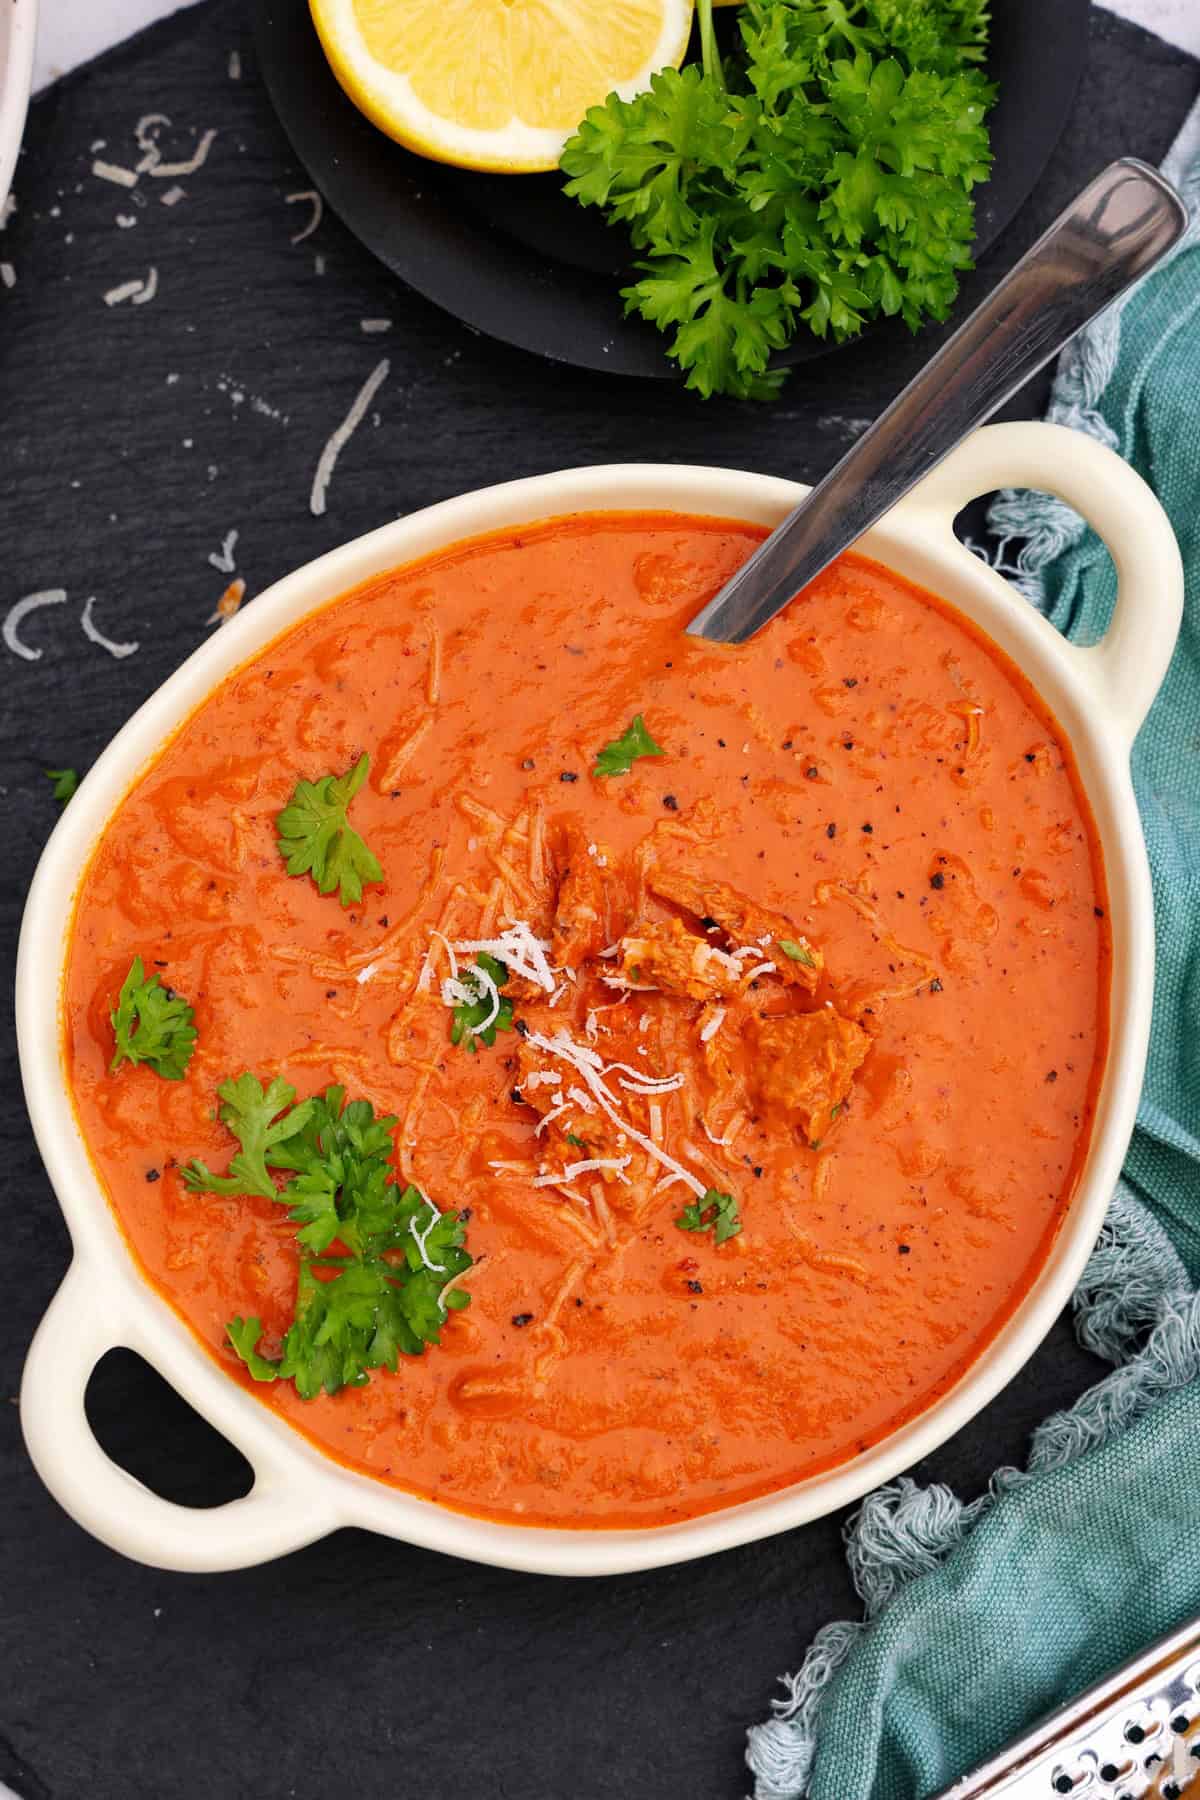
{"x": 509, "y": 255}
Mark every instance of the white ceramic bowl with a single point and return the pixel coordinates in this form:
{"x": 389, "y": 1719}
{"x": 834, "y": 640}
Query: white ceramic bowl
{"x": 18, "y": 29}
{"x": 1099, "y": 695}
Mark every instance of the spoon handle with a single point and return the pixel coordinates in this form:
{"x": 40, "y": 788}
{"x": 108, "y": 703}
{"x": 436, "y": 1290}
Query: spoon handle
{"x": 1112, "y": 233}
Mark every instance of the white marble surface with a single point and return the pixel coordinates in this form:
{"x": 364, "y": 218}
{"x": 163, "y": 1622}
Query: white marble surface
{"x": 71, "y": 31}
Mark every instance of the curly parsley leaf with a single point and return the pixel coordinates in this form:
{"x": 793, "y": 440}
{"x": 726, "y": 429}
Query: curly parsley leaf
{"x": 818, "y": 177}
{"x": 317, "y": 839}
{"x": 467, "y": 1019}
{"x": 618, "y": 757}
{"x": 716, "y": 1212}
{"x": 152, "y": 1024}
{"x": 385, "y": 1297}
{"x": 260, "y": 1119}
{"x": 64, "y": 782}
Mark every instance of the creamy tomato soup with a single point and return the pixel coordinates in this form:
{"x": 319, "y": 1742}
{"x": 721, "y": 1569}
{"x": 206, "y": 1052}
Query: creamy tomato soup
{"x": 745, "y": 1004}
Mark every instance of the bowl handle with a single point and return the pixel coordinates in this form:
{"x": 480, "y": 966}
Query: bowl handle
{"x": 80, "y": 1324}
{"x": 1126, "y": 668}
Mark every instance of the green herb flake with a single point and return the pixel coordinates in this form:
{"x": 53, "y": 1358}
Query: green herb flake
{"x": 618, "y": 757}
{"x": 317, "y": 839}
{"x": 468, "y": 1016}
{"x": 374, "y": 1257}
{"x": 63, "y": 782}
{"x": 716, "y": 1212}
{"x": 152, "y": 1025}
{"x": 798, "y": 952}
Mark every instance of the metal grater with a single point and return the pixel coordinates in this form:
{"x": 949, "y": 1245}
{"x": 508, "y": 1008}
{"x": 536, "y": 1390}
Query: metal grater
{"x": 1134, "y": 1736}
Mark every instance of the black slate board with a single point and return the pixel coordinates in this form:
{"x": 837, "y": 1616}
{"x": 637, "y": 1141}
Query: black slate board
{"x": 523, "y": 263}
{"x": 357, "y": 1665}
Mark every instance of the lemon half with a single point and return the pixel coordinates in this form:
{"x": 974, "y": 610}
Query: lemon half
{"x": 495, "y": 84}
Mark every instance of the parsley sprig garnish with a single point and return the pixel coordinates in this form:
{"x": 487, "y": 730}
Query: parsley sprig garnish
{"x": 317, "y": 839}
{"x": 618, "y": 757}
{"x": 152, "y": 1024}
{"x": 380, "y": 1296}
{"x": 819, "y": 176}
{"x": 716, "y": 1212}
{"x": 260, "y": 1119}
{"x": 469, "y": 1015}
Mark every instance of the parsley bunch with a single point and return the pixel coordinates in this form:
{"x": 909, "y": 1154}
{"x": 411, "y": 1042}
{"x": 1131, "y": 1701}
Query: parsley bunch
{"x": 356, "y": 1311}
{"x": 819, "y": 177}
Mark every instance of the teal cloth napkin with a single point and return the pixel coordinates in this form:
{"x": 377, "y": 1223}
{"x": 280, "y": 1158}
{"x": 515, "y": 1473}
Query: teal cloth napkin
{"x": 979, "y": 1618}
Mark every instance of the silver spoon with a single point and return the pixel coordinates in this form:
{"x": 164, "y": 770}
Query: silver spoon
{"x": 1112, "y": 233}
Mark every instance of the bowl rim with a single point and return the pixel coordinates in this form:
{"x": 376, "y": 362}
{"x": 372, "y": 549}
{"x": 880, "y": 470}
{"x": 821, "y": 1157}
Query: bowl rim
{"x": 1098, "y": 696}
{"x": 16, "y": 83}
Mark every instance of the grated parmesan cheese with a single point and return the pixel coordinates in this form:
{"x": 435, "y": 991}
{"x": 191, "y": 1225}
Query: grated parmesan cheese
{"x": 521, "y": 952}
{"x": 587, "y": 1167}
{"x": 588, "y": 1064}
{"x": 113, "y": 172}
{"x": 764, "y": 968}
{"x": 339, "y": 438}
{"x": 420, "y": 1238}
{"x": 94, "y": 635}
{"x": 713, "y": 1026}
{"x": 318, "y": 208}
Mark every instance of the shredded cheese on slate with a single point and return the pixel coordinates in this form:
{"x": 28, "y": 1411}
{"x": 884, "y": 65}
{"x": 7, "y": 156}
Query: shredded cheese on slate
{"x": 723, "y": 1141}
{"x": 318, "y": 208}
{"x": 341, "y": 436}
{"x": 656, "y": 1121}
{"x": 164, "y": 170}
{"x": 364, "y": 974}
{"x": 714, "y": 1025}
{"x": 94, "y": 635}
{"x": 113, "y": 172}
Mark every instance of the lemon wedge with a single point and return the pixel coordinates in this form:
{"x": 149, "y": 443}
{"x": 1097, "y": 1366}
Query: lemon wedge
{"x": 495, "y": 84}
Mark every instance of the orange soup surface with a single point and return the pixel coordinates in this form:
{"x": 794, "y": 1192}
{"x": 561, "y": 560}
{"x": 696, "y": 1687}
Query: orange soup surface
{"x": 827, "y": 984}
